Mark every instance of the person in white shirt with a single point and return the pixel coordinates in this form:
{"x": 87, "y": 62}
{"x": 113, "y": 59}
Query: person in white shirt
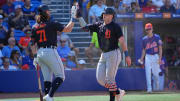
{"x": 6, "y": 65}
{"x": 158, "y": 3}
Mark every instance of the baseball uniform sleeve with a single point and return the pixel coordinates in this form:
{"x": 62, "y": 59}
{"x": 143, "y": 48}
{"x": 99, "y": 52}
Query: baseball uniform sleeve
{"x": 159, "y": 41}
{"x": 58, "y": 26}
{"x": 92, "y": 27}
{"x": 118, "y": 31}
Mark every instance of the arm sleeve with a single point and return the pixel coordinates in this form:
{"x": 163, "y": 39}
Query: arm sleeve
{"x": 159, "y": 41}
{"x": 58, "y": 26}
{"x": 118, "y": 31}
{"x": 92, "y": 27}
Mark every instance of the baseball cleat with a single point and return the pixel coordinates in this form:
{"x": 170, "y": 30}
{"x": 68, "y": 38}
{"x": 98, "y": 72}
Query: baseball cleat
{"x": 47, "y": 98}
{"x": 120, "y": 96}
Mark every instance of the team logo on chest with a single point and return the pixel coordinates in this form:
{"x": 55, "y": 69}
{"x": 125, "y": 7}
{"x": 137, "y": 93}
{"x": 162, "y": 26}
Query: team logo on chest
{"x": 107, "y": 34}
{"x": 151, "y": 45}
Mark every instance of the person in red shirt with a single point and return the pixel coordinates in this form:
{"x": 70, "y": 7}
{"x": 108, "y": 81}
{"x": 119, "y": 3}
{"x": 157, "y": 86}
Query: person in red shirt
{"x": 149, "y": 8}
{"x": 24, "y": 41}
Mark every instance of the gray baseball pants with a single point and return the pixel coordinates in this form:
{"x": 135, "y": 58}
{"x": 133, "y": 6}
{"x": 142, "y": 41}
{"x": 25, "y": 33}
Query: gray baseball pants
{"x": 50, "y": 63}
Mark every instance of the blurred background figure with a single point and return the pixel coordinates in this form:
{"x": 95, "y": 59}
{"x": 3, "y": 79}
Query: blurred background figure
{"x": 72, "y": 61}
{"x": 16, "y": 59}
{"x": 96, "y": 10}
{"x": 81, "y": 64}
{"x": 6, "y": 65}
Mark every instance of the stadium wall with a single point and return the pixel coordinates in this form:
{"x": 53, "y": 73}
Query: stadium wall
{"x": 80, "y": 80}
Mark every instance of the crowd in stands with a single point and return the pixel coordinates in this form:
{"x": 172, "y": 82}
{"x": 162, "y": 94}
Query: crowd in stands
{"x": 18, "y": 16}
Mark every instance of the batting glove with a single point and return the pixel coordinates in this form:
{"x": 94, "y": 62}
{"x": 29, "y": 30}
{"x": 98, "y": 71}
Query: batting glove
{"x": 74, "y": 10}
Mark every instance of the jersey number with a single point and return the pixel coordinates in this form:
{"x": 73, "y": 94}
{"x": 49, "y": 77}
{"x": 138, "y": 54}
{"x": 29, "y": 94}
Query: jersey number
{"x": 107, "y": 34}
{"x": 42, "y": 35}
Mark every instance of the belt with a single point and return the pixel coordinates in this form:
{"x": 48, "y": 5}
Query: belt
{"x": 104, "y": 51}
{"x": 53, "y": 47}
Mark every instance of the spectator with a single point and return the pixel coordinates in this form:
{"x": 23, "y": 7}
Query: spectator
{"x": 63, "y": 50}
{"x": 2, "y": 2}
{"x": 81, "y": 64}
{"x": 134, "y": 8}
{"x": 6, "y": 65}
{"x": 152, "y": 52}
{"x": 168, "y": 7}
{"x": 118, "y": 6}
{"x": 69, "y": 42}
{"x": 127, "y": 3}
{"x": 24, "y": 41}
{"x": 84, "y": 8}
{"x": 8, "y": 7}
{"x": 27, "y": 60}
{"x": 149, "y": 8}
{"x": 72, "y": 61}
{"x": 17, "y": 20}
{"x": 3, "y": 32}
{"x": 6, "y": 51}
{"x": 177, "y": 6}
{"x": 15, "y": 59}
{"x": 142, "y": 3}
{"x": 2, "y": 12}
{"x": 28, "y": 10}
{"x": 95, "y": 11}
{"x": 93, "y": 49}
{"x": 158, "y": 3}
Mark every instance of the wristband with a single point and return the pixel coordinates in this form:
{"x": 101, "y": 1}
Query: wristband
{"x": 126, "y": 53}
{"x": 73, "y": 19}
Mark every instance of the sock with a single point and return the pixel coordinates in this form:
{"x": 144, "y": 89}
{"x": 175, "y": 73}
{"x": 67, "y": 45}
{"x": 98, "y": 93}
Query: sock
{"x": 55, "y": 84}
{"x": 47, "y": 86}
{"x": 112, "y": 95}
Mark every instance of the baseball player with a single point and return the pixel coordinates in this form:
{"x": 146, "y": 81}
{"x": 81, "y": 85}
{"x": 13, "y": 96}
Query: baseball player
{"x": 152, "y": 51}
{"x": 45, "y": 39}
{"x": 109, "y": 35}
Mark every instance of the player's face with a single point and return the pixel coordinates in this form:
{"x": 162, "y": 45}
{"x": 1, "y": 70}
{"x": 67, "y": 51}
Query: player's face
{"x": 107, "y": 17}
{"x": 149, "y": 31}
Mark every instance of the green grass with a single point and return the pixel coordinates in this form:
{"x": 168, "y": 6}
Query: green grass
{"x": 128, "y": 97}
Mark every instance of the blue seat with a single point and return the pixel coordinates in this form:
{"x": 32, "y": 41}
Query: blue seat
{"x": 31, "y": 22}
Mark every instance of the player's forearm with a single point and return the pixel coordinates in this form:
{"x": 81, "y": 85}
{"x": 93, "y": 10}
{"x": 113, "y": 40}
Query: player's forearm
{"x": 160, "y": 52}
{"x": 122, "y": 43}
{"x": 143, "y": 54}
{"x": 82, "y": 22}
{"x": 69, "y": 27}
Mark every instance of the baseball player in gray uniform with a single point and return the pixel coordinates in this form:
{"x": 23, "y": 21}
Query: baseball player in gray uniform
{"x": 45, "y": 39}
{"x": 109, "y": 35}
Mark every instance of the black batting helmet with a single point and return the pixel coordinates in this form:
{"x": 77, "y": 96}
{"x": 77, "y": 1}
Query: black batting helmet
{"x": 108, "y": 10}
{"x": 42, "y": 11}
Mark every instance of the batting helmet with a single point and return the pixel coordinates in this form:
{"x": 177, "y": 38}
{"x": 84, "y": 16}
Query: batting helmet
{"x": 108, "y": 10}
{"x": 43, "y": 12}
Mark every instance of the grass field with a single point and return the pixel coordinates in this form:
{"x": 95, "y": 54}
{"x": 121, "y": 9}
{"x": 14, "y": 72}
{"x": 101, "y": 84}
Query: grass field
{"x": 127, "y": 97}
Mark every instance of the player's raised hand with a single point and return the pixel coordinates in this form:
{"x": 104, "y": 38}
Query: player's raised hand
{"x": 74, "y": 10}
{"x": 128, "y": 60}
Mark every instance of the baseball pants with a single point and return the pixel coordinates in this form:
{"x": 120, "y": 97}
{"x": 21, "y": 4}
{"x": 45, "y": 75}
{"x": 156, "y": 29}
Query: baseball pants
{"x": 107, "y": 67}
{"x": 151, "y": 63}
{"x": 50, "y": 63}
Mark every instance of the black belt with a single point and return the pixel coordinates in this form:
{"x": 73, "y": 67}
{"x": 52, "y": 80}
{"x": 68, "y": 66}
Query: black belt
{"x": 53, "y": 47}
{"x": 104, "y": 51}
